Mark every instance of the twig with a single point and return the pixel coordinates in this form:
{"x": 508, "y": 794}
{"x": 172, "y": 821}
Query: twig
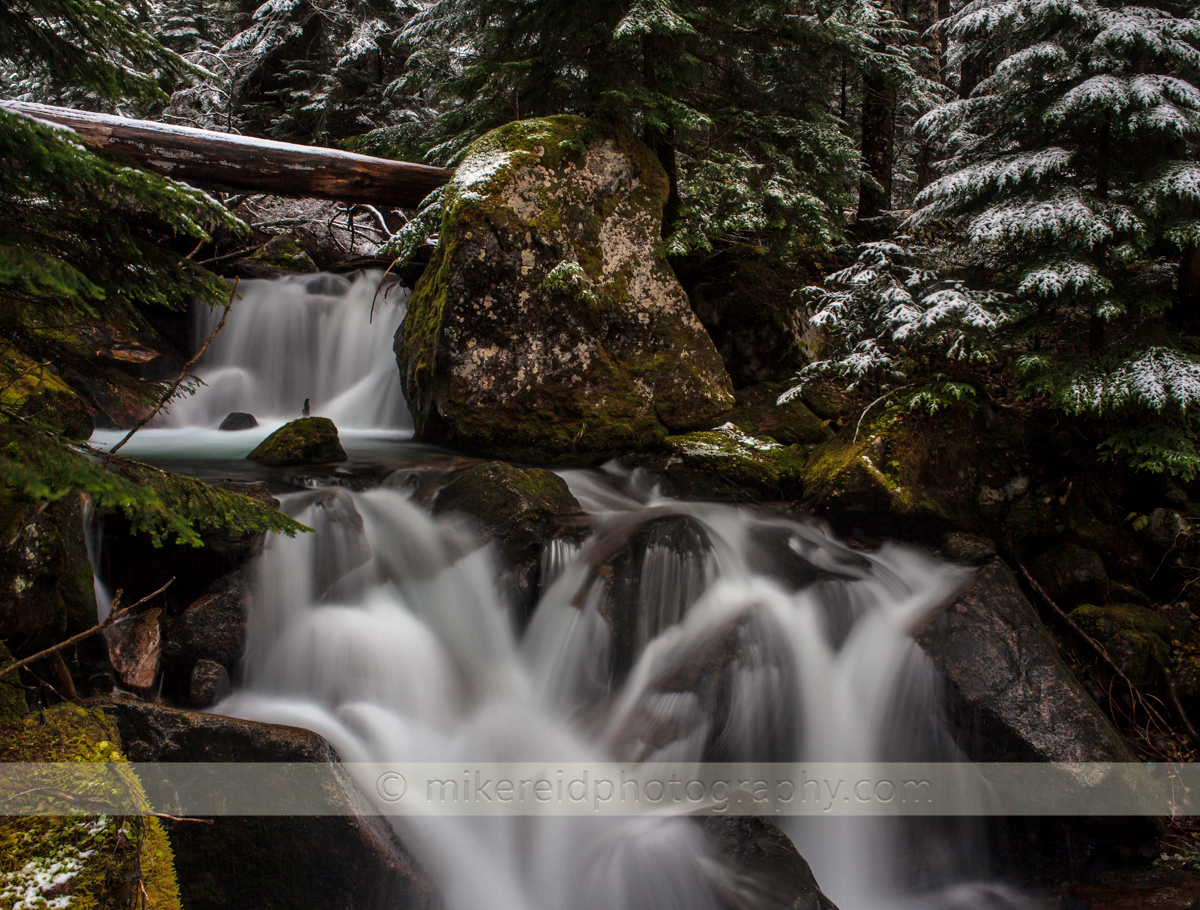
{"x": 234, "y": 255}
{"x": 177, "y": 818}
{"x": 183, "y": 373}
{"x": 863, "y": 415}
{"x": 379, "y": 220}
{"x": 1095, "y": 645}
{"x": 114, "y": 614}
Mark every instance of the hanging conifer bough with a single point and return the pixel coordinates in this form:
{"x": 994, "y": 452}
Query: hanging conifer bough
{"x": 733, "y": 97}
{"x": 84, "y": 249}
{"x": 1074, "y": 170}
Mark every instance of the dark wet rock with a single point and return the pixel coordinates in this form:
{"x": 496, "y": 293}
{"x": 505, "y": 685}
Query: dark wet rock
{"x": 238, "y": 420}
{"x": 46, "y": 590}
{"x": 309, "y": 440}
{"x": 547, "y": 328}
{"x": 1167, "y": 529}
{"x": 209, "y": 684}
{"x": 790, "y": 423}
{"x": 1072, "y": 575}
{"x": 794, "y": 561}
{"x": 212, "y": 628}
{"x": 1014, "y": 698}
{"x": 348, "y": 859}
{"x": 522, "y": 511}
{"x": 769, "y": 872}
{"x": 968, "y": 549}
{"x": 747, "y": 303}
{"x": 727, "y": 462}
{"x": 134, "y": 649}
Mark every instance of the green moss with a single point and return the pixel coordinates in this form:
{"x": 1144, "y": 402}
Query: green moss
{"x": 728, "y": 460}
{"x": 33, "y": 391}
{"x": 282, "y": 253}
{"x": 791, "y": 423}
{"x": 864, "y": 476}
{"x": 105, "y": 862}
{"x": 501, "y": 494}
{"x": 1105, "y": 622}
{"x": 309, "y": 440}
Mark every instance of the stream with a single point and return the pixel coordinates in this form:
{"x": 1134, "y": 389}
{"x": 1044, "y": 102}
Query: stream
{"x": 736, "y": 634}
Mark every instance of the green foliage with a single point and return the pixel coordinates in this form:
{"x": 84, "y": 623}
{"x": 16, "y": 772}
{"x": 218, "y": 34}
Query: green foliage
{"x": 298, "y": 70}
{"x": 93, "y": 45}
{"x": 733, "y": 97}
{"x": 85, "y": 246}
{"x": 42, "y": 468}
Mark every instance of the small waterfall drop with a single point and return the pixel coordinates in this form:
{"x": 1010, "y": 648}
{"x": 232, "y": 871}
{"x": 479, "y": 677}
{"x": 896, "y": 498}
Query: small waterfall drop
{"x": 323, "y": 337}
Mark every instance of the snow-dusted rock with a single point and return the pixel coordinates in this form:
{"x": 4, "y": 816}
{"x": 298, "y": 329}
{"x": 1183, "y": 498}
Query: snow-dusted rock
{"x": 548, "y": 327}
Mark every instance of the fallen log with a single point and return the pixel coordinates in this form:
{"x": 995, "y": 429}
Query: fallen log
{"x": 226, "y": 161}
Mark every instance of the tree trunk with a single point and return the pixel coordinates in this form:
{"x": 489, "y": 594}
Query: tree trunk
{"x": 878, "y": 148}
{"x": 661, "y": 142}
{"x": 224, "y": 161}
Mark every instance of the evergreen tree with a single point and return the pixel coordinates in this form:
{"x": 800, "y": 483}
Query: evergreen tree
{"x": 1073, "y": 173}
{"x": 296, "y": 70}
{"x": 733, "y": 97}
{"x": 84, "y": 246}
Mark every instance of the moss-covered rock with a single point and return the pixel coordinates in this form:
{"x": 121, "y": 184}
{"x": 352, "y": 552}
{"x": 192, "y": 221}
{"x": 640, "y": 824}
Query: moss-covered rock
{"x": 309, "y": 440}
{"x": 548, "y": 328}
{"x": 97, "y": 862}
{"x": 726, "y": 461}
{"x": 790, "y": 423}
{"x": 34, "y": 392}
{"x": 46, "y": 590}
{"x": 1072, "y": 575}
{"x": 519, "y": 509}
{"x": 1137, "y": 638}
{"x": 284, "y": 254}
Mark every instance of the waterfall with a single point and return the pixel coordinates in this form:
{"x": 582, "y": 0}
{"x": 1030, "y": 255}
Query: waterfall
{"x": 327, "y": 338}
{"x": 678, "y": 631}
{"x": 386, "y": 633}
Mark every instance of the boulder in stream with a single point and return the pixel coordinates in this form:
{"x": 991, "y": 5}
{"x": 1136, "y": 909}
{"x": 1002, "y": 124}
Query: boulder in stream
{"x": 521, "y": 510}
{"x": 549, "y": 328}
{"x": 345, "y": 859}
{"x": 238, "y": 420}
{"x": 134, "y": 649}
{"x": 309, "y": 440}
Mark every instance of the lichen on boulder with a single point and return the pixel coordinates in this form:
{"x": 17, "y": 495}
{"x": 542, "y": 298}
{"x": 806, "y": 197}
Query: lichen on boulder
{"x": 309, "y": 440}
{"x": 548, "y": 328}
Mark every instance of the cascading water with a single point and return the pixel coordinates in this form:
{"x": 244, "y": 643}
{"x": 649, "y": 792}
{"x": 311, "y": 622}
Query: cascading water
{"x": 677, "y": 631}
{"x": 323, "y": 337}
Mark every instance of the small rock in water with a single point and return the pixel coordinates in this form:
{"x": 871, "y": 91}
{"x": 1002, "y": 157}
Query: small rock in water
{"x": 309, "y": 440}
{"x": 209, "y": 684}
{"x": 238, "y": 420}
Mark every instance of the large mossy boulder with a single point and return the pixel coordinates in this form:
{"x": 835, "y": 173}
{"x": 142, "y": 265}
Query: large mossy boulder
{"x": 548, "y": 328}
{"x": 309, "y": 440}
